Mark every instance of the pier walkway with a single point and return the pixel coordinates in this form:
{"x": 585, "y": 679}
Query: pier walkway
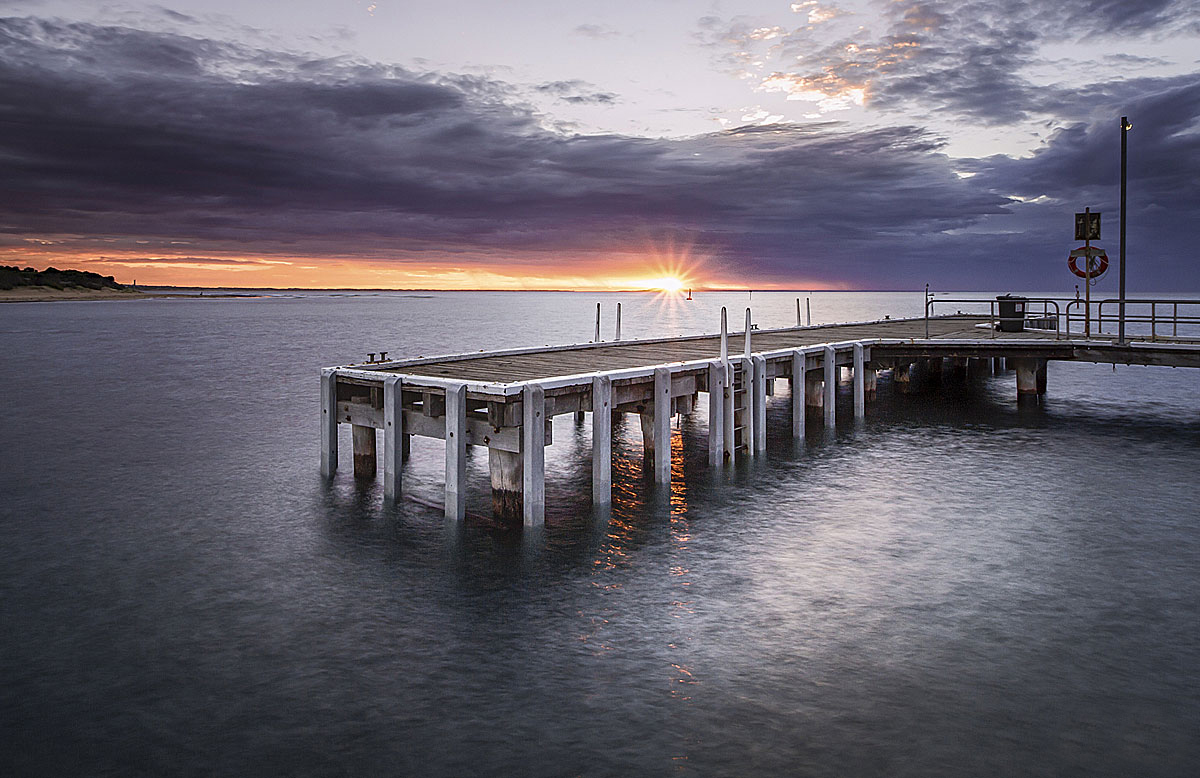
{"x": 505, "y": 400}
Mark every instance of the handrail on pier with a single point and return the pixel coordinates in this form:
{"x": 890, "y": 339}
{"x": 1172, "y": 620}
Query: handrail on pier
{"x": 1153, "y": 317}
{"x": 994, "y": 311}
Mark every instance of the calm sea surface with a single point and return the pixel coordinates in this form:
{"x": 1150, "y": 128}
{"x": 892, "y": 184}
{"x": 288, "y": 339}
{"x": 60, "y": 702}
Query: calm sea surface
{"x": 957, "y": 587}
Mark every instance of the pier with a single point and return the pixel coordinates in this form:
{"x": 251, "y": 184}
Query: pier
{"x": 505, "y": 400}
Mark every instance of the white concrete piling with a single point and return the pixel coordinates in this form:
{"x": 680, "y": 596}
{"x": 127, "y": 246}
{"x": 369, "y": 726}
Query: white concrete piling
{"x": 533, "y": 454}
{"x": 760, "y": 402}
{"x": 597, "y": 323}
{"x": 746, "y": 353}
{"x": 1026, "y": 377}
{"x": 456, "y": 452}
{"x": 329, "y": 422}
{"x": 662, "y": 425}
{"x": 617, "y": 335}
{"x": 601, "y": 440}
{"x": 799, "y": 363}
{"x": 393, "y": 436}
{"x": 716, "y": 413}
{"x": 860, "y": 383}
{"x": 728, "y": 413}
{"x": 831, "y": 376}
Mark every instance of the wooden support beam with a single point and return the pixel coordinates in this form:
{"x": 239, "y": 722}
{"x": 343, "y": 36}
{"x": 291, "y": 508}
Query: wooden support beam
{"x": 1041, "y": 376}
{"x": 831, "y": 376}
{"x": 363, "y": 439}
{"x": 533, "y": 455}
{"x": 456, "y": 452}
{"x": 814, "y": 390}
{"x": 799, "y": 365}
{"x": 662, "y": 425}
{"x": 870, "y": 384}
{"x": 760, "y": 403}
{"x": 329, "y": 422}
{"x": 716, "y": 413}
{"x": 860, "y": 383}
{"x": 601, "y": 440}
{"x": 504, "y": 467}
{"x": 393, "y": 436}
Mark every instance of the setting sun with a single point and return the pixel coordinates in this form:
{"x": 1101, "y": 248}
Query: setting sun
{"x": 667, "y": 284}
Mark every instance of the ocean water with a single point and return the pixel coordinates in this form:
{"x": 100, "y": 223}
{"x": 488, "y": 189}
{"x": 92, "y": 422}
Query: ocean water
{"x": 959, "y": 586}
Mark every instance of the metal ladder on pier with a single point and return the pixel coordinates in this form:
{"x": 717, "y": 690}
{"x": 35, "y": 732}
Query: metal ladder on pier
{"x": 742, "y": 420}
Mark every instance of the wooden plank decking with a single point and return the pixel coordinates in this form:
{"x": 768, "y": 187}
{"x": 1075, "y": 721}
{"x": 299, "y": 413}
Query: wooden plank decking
{"x": 590, "y": 358}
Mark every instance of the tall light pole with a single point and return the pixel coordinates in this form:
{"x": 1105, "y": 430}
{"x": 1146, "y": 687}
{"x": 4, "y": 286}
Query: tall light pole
{"x": 1125, "y": 127}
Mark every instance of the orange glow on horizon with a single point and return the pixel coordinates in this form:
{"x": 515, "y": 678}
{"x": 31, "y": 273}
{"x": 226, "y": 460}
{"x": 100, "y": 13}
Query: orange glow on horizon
{"x": 666, "y": 267}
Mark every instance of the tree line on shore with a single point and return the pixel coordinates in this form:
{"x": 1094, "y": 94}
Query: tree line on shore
{"x": 12, "y": 277}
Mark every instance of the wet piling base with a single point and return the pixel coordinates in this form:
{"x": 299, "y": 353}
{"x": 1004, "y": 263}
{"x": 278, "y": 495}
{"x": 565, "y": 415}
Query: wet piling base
{"x": 814, "y": 390}
{"x": 507, "y": 476}
{"x": 1031, "y": 379}
{"x": 647, "y": 421}
{"x": 364, "y": 451}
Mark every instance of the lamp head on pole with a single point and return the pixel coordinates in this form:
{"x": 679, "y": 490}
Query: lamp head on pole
{"x": 1125, "y": 125}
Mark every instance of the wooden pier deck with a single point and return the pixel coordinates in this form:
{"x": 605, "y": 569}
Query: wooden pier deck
{"x": 505, "y": 400}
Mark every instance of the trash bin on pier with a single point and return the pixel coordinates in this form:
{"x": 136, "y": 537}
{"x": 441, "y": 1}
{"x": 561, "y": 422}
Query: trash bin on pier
{"x": 1012, "y": 312}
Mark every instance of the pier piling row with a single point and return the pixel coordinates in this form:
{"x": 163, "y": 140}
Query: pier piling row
{"x": 511, "y": 414}
{"x": 513, "y": 421}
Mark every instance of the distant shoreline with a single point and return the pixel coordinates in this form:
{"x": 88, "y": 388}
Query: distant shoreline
{"x": 46, "y": 294}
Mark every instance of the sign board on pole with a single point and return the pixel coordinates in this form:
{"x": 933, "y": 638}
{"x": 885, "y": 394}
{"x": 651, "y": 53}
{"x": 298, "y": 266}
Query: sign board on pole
{"x": 1087, "y": 226}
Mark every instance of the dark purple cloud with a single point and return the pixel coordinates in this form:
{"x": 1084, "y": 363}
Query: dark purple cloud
{"x": 122, "y": 135}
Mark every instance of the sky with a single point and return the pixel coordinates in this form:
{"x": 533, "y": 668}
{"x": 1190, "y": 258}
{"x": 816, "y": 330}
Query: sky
{"x": 862, "y": 144}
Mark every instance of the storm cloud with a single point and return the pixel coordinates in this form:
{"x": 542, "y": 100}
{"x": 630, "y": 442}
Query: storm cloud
{"x": 122, "y": 136}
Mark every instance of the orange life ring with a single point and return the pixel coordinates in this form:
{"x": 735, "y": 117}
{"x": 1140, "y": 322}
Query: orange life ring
{"x": 1100, "y": 269}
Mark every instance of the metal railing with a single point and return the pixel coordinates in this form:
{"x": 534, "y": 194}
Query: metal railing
{"x": 1159, "y": 314}
{"x": 1051, "y": 312}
